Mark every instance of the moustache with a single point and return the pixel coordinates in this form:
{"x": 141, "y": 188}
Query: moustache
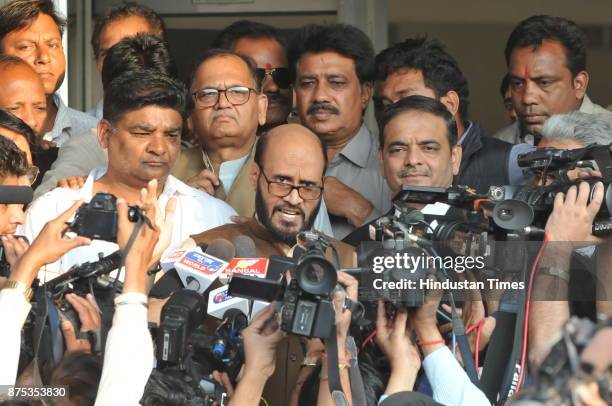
{"x": 323, "y": 106}
{"x": 531, "y": 111}
{"x": 293, "y": 208}
{"x": 404, "y": 173}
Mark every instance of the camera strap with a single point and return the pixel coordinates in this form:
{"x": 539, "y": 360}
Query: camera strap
{"x": 333, "y": 373}
{"x": 41, "y": 314}
{"x": 499, "y": 374}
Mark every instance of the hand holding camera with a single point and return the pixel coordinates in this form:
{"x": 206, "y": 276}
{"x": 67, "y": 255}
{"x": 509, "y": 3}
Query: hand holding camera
{"x": 393, "y": 336}
{"x": 48, "y": 247}
{"x": 142, "y": 247}
{"x": 573, "y": 214}
{"x": 261, "y": 339}
{"x": 88, "y": 320}
{"x": 14, "y": 247}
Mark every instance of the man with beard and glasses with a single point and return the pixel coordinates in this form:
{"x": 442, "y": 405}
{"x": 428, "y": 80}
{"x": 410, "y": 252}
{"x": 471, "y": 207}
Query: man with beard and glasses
{"x": 264, "y": 44}
{"x": 229, "y": 107}
{"x": 287, "y": 176}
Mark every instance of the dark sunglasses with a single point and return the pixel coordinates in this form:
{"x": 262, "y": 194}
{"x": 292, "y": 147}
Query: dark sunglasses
{"x": 279, "y": 75}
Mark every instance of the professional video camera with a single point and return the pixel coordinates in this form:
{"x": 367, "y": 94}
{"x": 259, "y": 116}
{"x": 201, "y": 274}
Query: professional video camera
{"x": 98, "y": 218}
{"x": 306, "y": 301}
{"x": 188, "y": 352}
{"x": 522, "y": 206}
{"x": 557, "y": 380}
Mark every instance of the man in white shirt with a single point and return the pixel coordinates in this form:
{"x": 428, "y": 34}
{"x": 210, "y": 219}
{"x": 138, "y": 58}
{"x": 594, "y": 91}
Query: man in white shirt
{"x": 143, "y": 121}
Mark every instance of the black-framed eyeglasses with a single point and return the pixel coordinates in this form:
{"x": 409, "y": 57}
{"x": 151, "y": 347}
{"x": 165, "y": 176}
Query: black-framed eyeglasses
{"x": 279, "y": 75}
{"x": 236, "y": 95}
{"x": 283, "y": 189}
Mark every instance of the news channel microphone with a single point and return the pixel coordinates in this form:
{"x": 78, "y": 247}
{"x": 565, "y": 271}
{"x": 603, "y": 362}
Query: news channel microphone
{"x": 198, "y": 271}
{"x": 193, "y": 268}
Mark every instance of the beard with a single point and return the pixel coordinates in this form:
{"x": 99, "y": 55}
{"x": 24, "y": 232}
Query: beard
{"x": 265, "y": 218}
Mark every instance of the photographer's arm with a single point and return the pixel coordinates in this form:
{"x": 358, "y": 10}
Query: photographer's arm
{"x": 128, "y": 359}
{"x": 50, "y": 245}
{"x": 343, "y": 322}
{"x": 568, "y": 227}
{"x": 450, "y": 383}
{"x": 260, "y": 340}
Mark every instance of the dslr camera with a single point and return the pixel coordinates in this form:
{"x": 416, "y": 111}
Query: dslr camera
{"x": 98, "y": 219}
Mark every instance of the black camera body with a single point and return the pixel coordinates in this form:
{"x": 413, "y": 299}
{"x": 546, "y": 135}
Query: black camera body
{"x": 187, "y": 353}
{"x": 307, "y": 301}
{"x": 305, "y": 314}
{"x": 180, "y": 316}
{"x": 520, "y": 206}
{"x": 98, "y": 219}
{"x": 374, "y": 286}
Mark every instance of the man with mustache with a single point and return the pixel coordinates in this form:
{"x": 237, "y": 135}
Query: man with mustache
{"x": 418, "y": 144}
{"x": 32, "y": 31}
{"x": 287, "y": 177}
{"x": 332, "y": 68}
{"x": 422, "y": 66}
{"x": 264, "y": 44}
{"x": 418, "y": 147}
{"x": 546, "y": 59}
{"x": 141, "y": 129}
{"x": 229, "y": 107}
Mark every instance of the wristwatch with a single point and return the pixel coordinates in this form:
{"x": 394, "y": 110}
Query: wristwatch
{"x": 310, "y": 361}
{"x": 21, "y": 287}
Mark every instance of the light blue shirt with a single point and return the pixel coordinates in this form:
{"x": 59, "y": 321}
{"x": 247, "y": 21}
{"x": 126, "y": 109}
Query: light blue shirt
{"x": 69, "y": 123}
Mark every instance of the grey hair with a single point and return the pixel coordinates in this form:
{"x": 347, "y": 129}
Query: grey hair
{"x": 582, "y": 127}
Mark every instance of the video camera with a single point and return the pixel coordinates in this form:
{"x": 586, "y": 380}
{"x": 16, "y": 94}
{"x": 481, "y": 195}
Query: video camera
{"x": 188, "y": 352}
{"x": 518, "y": 207}
{"x": 98, "y": 219}
{"x": 306, "y": 300}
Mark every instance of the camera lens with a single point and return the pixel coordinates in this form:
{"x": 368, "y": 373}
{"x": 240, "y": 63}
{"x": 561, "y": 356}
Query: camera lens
{"x": 316, "y": 275}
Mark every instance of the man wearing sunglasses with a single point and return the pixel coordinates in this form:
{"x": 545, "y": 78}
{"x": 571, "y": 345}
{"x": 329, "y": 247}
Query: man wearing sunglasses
{"x": 266, "y": 47}
{"x": 229, "y": 107}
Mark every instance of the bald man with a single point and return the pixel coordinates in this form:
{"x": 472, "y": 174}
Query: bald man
{"x": 287, "y": 176}
{"x": 22, "y": 92}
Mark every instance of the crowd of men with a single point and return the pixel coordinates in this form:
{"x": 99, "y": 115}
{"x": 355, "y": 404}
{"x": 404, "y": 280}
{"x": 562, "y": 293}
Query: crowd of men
{"x": 266, "y": 140}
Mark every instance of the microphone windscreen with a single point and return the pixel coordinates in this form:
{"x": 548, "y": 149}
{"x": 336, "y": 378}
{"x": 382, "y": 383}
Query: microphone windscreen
{"x": 169, "y": 282}
{"x": 16, "y": 194}
{"x": 245, "y": 246}
{"x": 222, "y": 249}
